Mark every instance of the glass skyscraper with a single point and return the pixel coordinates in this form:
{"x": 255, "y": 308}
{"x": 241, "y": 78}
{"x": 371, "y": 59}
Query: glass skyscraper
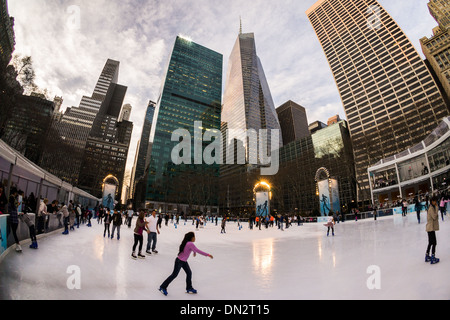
{"x": 192, "y": 91}
{"x": 247, "y": 105}
{"x": 390, "y": 98}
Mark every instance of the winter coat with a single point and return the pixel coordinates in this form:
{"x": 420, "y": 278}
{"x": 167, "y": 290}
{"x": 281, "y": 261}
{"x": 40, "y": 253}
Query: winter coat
{"x": 432, "y": 219}
{"x": 26, "y": 219}
{"x": 117, "y": 219}
{"x": 140, "y": 226}
{"x": 64, "y": 211}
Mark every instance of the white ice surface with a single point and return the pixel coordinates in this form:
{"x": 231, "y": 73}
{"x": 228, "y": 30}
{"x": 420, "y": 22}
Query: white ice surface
{"x": 296, "y": 264}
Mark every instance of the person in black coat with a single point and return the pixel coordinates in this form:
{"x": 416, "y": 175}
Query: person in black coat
{"x": 3, "y": 200}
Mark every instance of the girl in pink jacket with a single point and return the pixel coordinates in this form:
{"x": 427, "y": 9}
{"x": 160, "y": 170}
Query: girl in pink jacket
{"x": 186, "y": 248}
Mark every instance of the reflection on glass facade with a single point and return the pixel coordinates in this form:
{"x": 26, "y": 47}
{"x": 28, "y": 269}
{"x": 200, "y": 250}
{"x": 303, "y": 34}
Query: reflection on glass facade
{"x": 294, "y": 186}
{"x": 417, "y": 170}
{"x": 390, "y": 98}
{"x": 192, "y": 91}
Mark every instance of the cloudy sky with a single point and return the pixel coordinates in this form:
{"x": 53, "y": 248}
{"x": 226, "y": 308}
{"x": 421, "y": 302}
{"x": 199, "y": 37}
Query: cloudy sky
{"x": 70, "y": 42}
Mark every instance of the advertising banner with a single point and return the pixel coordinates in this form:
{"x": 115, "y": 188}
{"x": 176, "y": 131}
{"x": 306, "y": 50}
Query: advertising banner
{"x": 109, "y": 192}
{"x": 3, "y": 233}
{"x": 324, "y": 197}
{"x": 262, "y": 204}
{"x": 335, "y": 201}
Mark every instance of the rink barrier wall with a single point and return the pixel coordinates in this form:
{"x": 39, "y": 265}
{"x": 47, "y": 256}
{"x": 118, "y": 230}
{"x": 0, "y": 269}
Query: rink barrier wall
{"x": 55, "y": 223}
{"x": 23, "y": 234}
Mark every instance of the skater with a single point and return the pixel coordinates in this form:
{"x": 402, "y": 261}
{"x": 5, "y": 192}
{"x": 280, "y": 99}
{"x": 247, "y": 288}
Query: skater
{"x": 330, "y": 224}
{"x": 141, "y": 225}
{"x": 107, "y": 222}
{"x": 117, "y": 222}
{"x": 186, "y": 247}
{"x": 443, "y": 206}
{"x": 13, "y": 219}
{"x": 26, "y": 219}
{"x": 72, "y": 214}
{"x": 431, "y": 228}
{"x": 153, "y": 231}
{"x": 418, "y": 208}
{"x": 65, "y": 213}
{"x": 224, "y": 222}
{"x": 42, "y": 216}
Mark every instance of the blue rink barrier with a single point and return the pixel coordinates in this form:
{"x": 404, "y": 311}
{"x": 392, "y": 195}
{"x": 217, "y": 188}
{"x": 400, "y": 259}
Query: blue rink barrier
{"x": 23, "y": 233}
{"x": 3, "y": 233}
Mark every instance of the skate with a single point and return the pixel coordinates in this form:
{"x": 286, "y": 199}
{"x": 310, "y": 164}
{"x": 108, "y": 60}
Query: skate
{"x": 427, "y": 258}
{"x": 133, "y": 256}
{"x": 141, "y": 256}
{"x": 148, "y": 252}
{"x": 155, "y": 251}
{"x": 163, "y": 291}
{"x": 434, "y": 260}
{"x": 18, "y": 248}
{"x": 191, "y": 291}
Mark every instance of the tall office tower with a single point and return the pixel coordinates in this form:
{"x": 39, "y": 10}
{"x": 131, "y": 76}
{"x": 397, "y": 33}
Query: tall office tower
{"x": 437, "y": 48}
{"x": 28, "y": 126}
{"x": 390, "y": 98}
{"x": 107, "y": 146}
{"x": 440, "y": 10}
{"x": 7, "y": 37}
{"x": 142, "y": 159}
{"x": 73, "y": 127}
{"x": 247, "y": 104}
{"x": 293, "y": 122}
{"x": 192, "y": 91}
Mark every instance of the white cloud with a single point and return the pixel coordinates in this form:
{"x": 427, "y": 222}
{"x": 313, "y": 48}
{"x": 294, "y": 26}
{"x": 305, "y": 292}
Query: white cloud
{"x": 140, "y": 34}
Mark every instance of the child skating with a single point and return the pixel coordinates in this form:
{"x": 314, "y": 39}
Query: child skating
{"x": 186, "y": 248}
{"x": 330, "y": 224}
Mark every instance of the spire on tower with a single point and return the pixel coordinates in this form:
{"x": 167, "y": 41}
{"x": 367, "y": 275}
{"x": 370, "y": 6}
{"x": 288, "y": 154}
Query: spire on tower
{"x": 240, "y": 28}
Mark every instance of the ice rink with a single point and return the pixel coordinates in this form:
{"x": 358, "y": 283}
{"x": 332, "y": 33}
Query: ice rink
{"x": 366, "y": 260}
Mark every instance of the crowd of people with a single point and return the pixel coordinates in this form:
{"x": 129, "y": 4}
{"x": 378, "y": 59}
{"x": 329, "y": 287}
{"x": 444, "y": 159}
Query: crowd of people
{"x": 71, "y": 215}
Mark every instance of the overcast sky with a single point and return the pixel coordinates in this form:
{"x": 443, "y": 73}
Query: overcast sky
{"x": 70, "y": 42}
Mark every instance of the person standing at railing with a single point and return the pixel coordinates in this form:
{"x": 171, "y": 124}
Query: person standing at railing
{"x": 13, "y": 218}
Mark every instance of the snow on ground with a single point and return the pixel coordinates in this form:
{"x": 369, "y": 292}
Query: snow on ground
{"x": 368, "y": 259}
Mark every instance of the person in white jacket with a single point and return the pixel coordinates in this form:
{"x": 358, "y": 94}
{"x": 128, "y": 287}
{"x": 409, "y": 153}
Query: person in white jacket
{"x": 65, "y": 213}
{"x": 42, "y": 215}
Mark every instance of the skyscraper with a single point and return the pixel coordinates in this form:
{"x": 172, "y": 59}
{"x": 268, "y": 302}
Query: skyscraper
{"x": 293, "y": 122}
{"x": 107, "y": 146}
{"x": 247, "y": 105}
{"x": 440, "y": 10}
{"x": 192, "y": 91}
{"x": 390, "y": 98}
{"x": 72, "y": 129}
{"x": 437, "y": 48}
{"x": 7, "y": 37}
{"x": 142, "y": 158}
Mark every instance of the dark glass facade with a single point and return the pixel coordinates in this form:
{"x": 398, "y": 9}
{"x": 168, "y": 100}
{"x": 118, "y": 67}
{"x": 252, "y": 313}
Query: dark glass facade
{"x": 7, "y": 37}
{"x": 192, "y": 91}
{"x": 27, "y": 128}
{"x": 293, "y": 122}
{"x": 294, "y": 187}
